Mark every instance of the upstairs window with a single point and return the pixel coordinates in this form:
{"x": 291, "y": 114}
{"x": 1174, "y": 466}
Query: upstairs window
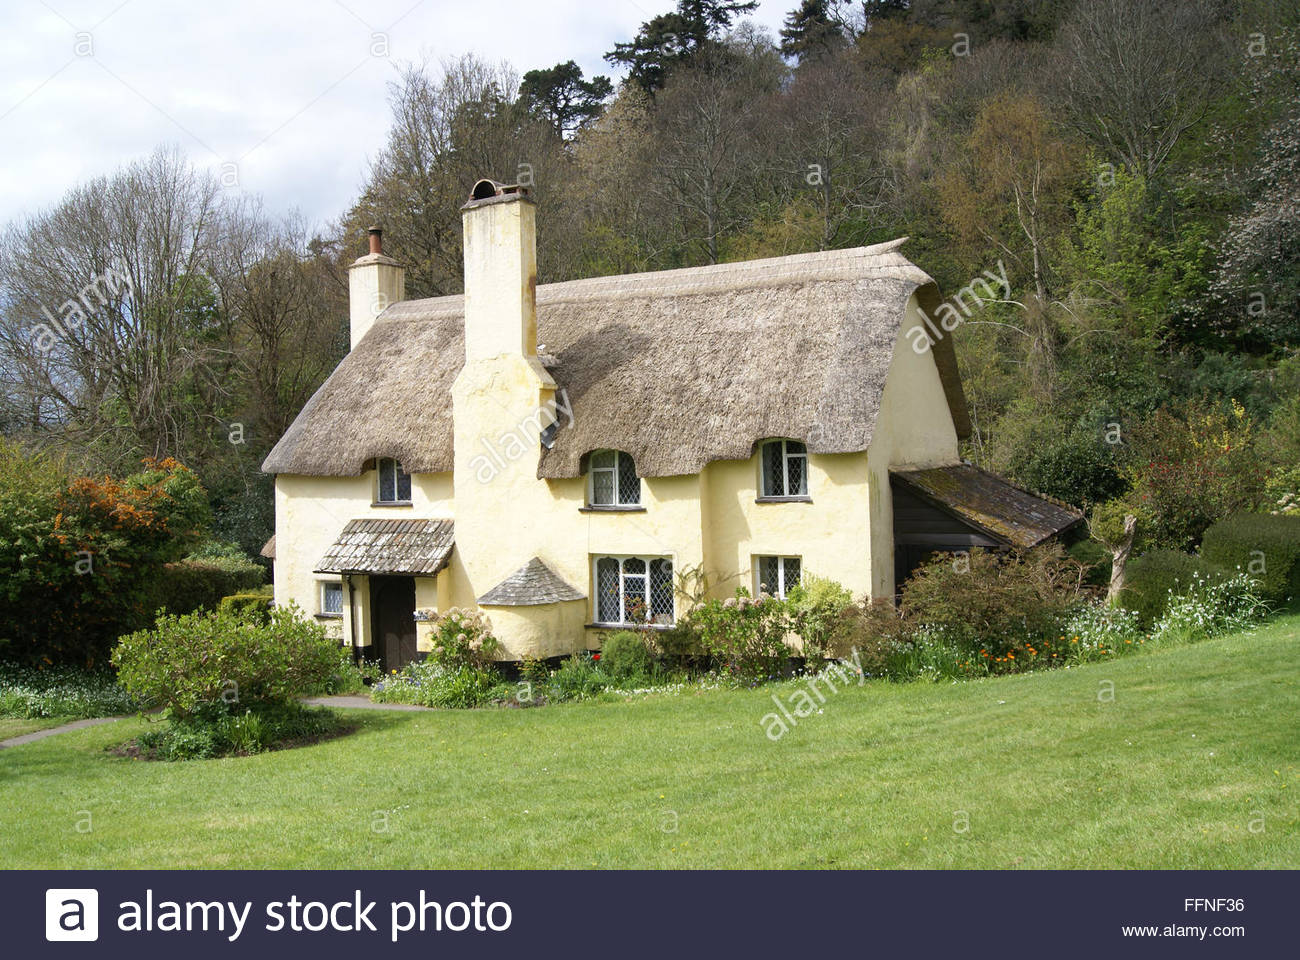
{"x": 785, "y": 469}
{"x": 776, "y": 575}
{"x": 613, "y": 482}
{"x": 394, "y": 482}
{"x": 634, "y": 590}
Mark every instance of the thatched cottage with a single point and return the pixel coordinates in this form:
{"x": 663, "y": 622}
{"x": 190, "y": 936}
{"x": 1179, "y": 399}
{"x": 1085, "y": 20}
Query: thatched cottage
{"x": 554, "y": 455}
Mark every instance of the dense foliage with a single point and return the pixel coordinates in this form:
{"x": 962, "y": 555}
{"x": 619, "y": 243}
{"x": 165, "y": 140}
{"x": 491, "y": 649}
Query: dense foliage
{"x": 84, "y": 557}
{"x": 1130, "y": 165}
{"x": 225, "y": 661}
{"x": 61, "y": 692}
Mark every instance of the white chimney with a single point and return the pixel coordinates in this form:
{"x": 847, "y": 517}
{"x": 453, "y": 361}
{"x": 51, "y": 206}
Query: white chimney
{"x": 500, "y": 272}
{"x": 374, "y": 282}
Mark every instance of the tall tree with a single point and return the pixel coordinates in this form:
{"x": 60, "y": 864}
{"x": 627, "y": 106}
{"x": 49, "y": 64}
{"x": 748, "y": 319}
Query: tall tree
{"x": 706, "y": 134}
{"x": 453, "y": 124}
{"x": 811, "y": 32}
{"x": 563, "y": 98}
{"x": 673, "y": 39}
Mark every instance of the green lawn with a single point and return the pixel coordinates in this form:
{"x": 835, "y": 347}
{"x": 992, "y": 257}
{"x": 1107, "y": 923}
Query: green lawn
{"x": 1193, "y": 764}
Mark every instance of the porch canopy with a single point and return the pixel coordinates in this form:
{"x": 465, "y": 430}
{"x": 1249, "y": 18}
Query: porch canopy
{"x": 390, "y": 547}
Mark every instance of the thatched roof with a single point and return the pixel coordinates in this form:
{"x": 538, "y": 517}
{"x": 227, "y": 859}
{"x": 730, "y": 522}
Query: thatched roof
{"x": 1006, "y": 512}
{"x": 532, "y": 584}
{"x": 411, "y": 547}
{"x": 268, "y": 548}
{"x": 678, "y": 368}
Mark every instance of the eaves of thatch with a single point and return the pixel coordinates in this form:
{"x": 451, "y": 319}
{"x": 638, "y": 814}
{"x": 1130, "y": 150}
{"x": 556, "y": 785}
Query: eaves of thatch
{"x": 677, "y": 368}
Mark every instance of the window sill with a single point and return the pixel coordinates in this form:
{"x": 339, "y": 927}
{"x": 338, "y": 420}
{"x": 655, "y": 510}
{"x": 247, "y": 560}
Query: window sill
{"x": 329, "y": 616}
{"x": 630, "y": 626}
{"x": 801, "y": 499}
{"x": 631, "y": 508}
{"x": 392, "y": 503}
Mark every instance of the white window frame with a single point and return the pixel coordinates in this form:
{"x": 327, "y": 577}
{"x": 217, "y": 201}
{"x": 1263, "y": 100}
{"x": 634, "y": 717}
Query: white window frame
{"x": 398, "y": 473}
{"x": 323, "y": 592}
{"x": 786, "y": 457}
{"x": 782, "y": 587}
{"x": 615, "y": 483}
{"x": 622, "y": 590}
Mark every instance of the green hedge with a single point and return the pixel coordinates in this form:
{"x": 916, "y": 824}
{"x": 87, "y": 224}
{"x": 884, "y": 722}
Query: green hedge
{"x": 194, "y": 584}
{"x": 254, "y": 603}
{"x": 1264, "y": 545}
{"x": 1151, "y": 577}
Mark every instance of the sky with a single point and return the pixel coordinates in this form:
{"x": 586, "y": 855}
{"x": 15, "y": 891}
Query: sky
{"x": 281, "y": 98}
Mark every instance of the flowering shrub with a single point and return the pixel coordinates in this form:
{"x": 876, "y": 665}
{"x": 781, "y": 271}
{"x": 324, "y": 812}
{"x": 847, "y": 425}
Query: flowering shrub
{"x": 1189, "y": 471}
{"x": 745, "y": 635}
{"x": 463, "y": 639}
{"x": 61, "y": 692}
{"x": 83, "y": 556}
{"x": 1208, "y": 608}
{"x": 431, "y": 683}
{"x": 992, "y": 606}
{"x": 1097, "y": 631}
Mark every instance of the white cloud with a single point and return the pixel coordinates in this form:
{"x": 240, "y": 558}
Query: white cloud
{"x": 288, "y": 88}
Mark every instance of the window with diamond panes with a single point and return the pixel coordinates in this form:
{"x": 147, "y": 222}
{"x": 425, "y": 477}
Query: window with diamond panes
{"x": 614, "y": 482}
{"x": 777, "y": 575}
{"x": 785, "y": 469}
{"x": 331, "y": 597}
{"x": 394, "y": 482}
{"x": 634, "y": 590}
{"x": 661, "y": 591}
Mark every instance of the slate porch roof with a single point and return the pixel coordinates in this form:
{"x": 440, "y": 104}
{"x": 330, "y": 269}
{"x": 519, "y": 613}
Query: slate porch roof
{"x": 532, "y": 584}
{"x": 404, "y": 547}
{"x": 986, "y": 501}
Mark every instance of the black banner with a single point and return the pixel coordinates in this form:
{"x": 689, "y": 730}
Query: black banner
{"x": 647, "y": 914}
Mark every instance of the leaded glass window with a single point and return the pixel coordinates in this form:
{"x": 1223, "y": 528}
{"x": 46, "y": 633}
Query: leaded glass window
{"x": 785, "y": 469}
{"x": 634, "y": 590}
{"x": 394, "y": 482}
{"x": 777, "y": 575}
{"x": 614, "y": 482}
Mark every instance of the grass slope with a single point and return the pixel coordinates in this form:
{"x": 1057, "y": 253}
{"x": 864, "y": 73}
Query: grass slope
{"x": 1199, "y": 744}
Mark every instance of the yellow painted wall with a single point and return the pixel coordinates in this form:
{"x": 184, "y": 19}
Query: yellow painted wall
{"x": 310, "y": 513}
{"x": 505, "y": 515}
{"x": 913, "y": 429}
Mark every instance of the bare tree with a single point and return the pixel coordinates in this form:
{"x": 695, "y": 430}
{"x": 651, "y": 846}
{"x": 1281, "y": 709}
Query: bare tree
{"x": 1135, "y": 75}
{"x": 706, "y": 127}
{"x": 452, "y": 125}
{"x": 109, "y": 308}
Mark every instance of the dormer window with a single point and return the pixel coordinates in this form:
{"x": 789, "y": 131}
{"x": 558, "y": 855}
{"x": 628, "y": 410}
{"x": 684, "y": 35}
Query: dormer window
{"x": 612, "y": 480}
{"x": 394, "y": 482}
{"x": 785, "y": 470}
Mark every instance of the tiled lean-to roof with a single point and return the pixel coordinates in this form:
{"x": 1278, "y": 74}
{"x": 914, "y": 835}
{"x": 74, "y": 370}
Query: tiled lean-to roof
{"x": 532, "y": 584}
{"x": 407, "y": 547}
{"x": 986, "y": 501}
